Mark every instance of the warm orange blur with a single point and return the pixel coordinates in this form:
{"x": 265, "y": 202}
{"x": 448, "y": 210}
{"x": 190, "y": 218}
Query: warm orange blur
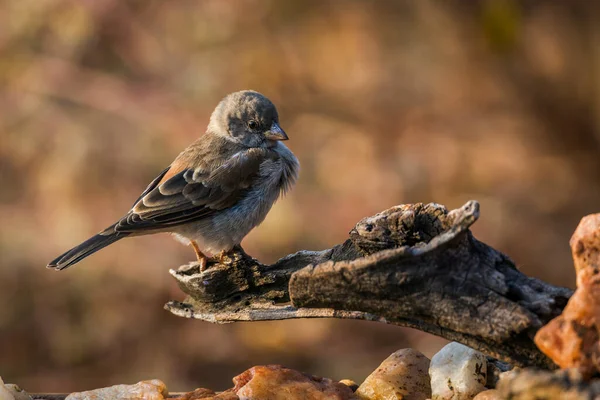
{"x": 384, "y": 102}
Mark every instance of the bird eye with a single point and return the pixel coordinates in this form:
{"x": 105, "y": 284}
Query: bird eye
{"x": 252, "y": 124}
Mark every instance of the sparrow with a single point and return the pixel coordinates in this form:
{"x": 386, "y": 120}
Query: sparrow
{"x": 217, "y": 190}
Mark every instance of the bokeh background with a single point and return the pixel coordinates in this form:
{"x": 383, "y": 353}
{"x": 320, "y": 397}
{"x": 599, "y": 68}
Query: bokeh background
{"x": 385, "y": 102}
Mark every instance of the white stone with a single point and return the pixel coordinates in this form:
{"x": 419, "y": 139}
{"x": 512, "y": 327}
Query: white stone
{"x": 9, "y": 391}
{"x": 5, "y": 394}
{"x": 457, "y": 372}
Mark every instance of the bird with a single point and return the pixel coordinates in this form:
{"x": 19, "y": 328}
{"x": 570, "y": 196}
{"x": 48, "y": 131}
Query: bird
{"x": 216, "y": 190}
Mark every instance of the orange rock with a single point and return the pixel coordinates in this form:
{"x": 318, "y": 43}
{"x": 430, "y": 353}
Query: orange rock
{"x": 571, "y": 339}
{"x": 274, "y": 382}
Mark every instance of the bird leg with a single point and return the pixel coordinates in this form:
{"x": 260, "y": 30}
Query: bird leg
{"x": 202, "y": 259}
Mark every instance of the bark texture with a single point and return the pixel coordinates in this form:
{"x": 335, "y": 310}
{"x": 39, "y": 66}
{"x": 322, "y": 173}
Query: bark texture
{"x": 415, "y": 265}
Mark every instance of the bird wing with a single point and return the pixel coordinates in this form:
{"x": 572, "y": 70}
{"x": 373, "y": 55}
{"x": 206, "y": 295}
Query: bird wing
{"x": 192, "y": 193}
{"x": 152, "y": 184}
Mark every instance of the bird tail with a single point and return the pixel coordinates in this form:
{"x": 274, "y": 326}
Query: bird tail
{"x": 90, "y": 246}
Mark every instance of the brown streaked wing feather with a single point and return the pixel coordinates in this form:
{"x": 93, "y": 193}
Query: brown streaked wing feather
{"x": 189, "y": 195}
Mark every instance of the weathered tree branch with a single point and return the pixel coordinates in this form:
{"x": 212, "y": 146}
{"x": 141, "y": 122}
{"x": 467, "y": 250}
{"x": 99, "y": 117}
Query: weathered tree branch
{"x": 412, "y": 265}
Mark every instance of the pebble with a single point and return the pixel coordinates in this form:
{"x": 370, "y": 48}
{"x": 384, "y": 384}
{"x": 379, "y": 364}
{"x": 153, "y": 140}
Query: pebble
{"x": 274, "y": 382}
{"x": 401, "y": 376}
{"x": 457, "y": 373}
{"x": 491, "y": 394}
{"x": 9, "y": 391}
{"x": 145, "y": 390}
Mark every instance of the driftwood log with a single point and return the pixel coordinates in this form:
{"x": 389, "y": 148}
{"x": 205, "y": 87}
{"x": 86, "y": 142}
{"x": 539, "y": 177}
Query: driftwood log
{"x": 412, "y": 265}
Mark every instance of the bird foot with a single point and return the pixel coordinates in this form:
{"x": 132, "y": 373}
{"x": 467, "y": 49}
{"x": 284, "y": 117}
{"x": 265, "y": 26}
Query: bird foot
{"x": 203, "y": 262}
{"x": 228, "y": 256}
{"x": 202, "y": 259}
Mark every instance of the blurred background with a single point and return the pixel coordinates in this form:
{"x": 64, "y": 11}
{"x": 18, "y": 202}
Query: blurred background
{"x": 385, "y": 102}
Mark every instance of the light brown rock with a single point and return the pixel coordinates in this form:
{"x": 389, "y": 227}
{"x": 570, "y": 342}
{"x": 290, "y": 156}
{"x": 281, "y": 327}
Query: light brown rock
{"x": 145, "y": 390}
{"x": 17, "y": 392}
{"x": 491, "y": 394}
{"x": 532, "y": 384}
{"x": 207, "y": 394}
{"x": 571, "y": 339}
{"x": 10, "y": 391}
{"x": 5, "y": 394}
{"x": 403, "y": 375}
{"x": 274, "y": 382}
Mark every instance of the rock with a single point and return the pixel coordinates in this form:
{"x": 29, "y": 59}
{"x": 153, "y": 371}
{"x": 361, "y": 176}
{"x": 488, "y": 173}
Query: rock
{"x": 146, "y": 390}
{"x": 17, "y": 392}
{"x": 530, "y": 384}
{"x": 12, "y": 392}
{"x": 274, "y": 382}
{"x": 508, "y": 374}
{"x": 457, "y": 372}
{"x": 403, "y": 375}
{"x": 350, "y": 383}
{"x": 5, "y": 394}
{"x": 207, "y": 394}
{"x": 495, "y": 368}
{"x": 571, "y": 339}
{"x": 491, "y": 394}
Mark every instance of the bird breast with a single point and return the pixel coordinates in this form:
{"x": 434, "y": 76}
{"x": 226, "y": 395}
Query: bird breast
{"x": 228, "y": 227}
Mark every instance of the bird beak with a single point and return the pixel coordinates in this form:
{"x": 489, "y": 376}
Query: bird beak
{"x": 276, "y": 133}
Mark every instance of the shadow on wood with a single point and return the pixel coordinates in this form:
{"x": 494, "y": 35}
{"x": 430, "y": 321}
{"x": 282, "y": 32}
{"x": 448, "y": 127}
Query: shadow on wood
{"x": 414, "y": 265}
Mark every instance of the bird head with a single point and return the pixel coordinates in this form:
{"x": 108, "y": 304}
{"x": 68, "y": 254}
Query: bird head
{"x": 247, "y": 118}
